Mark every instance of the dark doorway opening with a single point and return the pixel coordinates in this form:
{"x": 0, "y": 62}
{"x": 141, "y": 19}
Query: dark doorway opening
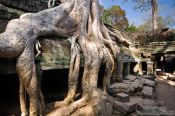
{"x": 54, "y": 87}
{"x": 144, "y": 68}
{"x": 9, "y": 97}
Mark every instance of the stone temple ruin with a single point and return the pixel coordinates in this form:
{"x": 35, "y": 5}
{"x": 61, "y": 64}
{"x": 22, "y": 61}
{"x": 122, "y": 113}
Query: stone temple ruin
{"x": 139, "y": 66}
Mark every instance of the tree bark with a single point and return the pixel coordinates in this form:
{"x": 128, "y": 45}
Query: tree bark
{"x": 80, "y": 20}
{"x": 98, "y": 46}
{"x": 154, "y": 4}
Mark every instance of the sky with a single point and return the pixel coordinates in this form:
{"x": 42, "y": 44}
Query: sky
{"x": 136, "y": 17}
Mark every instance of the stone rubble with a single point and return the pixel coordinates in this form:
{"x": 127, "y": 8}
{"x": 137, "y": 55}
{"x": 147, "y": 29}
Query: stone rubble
{"x": 127, "y": 107}
{"x": 141, "y": 106}
{"x": 147, "y": 92}
{"x": 133, "y": 96}
{"x": 148, "y": 82}
{"x": 123, "y": 97}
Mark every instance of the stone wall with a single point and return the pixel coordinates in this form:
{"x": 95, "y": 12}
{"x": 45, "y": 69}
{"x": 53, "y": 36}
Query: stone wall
{"x": 26, "y": 5}
{"x": 6, "y": 14}
{"x": 11, "y": 9}
{"x": 56, "y": 55}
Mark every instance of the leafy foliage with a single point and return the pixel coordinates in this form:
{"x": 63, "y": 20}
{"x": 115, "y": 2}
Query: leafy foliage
{"x": 131, "y": 28}
{"x": 115, "y": 17}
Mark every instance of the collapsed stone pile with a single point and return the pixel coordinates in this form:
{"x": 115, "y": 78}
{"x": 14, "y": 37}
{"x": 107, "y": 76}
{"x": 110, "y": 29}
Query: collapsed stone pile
{"x": 134, "y": 96}
{"x": 167, "y": 76}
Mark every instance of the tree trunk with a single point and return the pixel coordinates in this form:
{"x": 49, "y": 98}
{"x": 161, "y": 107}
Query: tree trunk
{"x": 154, "y": 4}
{"x": 98, "y": 47}
{"x": 80, "y": 20}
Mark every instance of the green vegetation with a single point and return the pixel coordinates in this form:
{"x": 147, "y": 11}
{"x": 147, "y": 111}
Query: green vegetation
{"x": 115, "y": 17}
{"x": 131, "y": 28}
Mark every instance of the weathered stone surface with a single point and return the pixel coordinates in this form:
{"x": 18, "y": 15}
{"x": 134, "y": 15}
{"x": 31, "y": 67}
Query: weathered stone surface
{"x": 146, "y": 103}
{"x": 142, "y": 80}
{"x": 150, "y": 83}
{"x": 147, "y": 92}
{"x": 126, "y": 87}
{"x": 116, "y": 113}
{"x": 150, "y": 107}
{"x": 119, "y": 88}
{"x": 150, "y": 77}
{"x": 7, "y": 14}
{"x": 55, "y": 53}
{"x": 127, "y": 107}
{"x": 126, "y": 81}
{"x": 123, "y": 97}
{"x": 26, "y": 5}
{"x": 130, "y": 77}
{"x": 137, "y": 85}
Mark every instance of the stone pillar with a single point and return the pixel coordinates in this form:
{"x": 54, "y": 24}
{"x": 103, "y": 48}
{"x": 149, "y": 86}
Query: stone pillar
{"x": 119, "y": 66}
{"x": 150, "y": 68}
{"x": 155, "y": 66}
{"x": 127, "y": 69}
{"x": 39, "y": 71}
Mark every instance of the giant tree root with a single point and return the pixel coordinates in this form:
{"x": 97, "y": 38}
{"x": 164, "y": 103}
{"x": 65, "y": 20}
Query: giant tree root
{"x": 98, "y": 104}
{"x": 97, "y": 44}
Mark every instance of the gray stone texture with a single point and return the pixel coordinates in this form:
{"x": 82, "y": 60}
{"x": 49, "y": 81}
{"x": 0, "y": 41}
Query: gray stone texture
{"x": 146, "y": 103}
{"x": 26, "y": 5}
{"x": 150, "y": 83}
{"x": 147, "y": 92}
{"x": 127, "y": 107}
{"x": 119, "y": 88}
{"x": 123, "y": 97}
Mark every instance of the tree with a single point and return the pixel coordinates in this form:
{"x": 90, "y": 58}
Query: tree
{"x": 144, "y": 5}
{"x": 131, "y": 28}
{"x": 115, "y": 17}
{"x": 162, "y": 22}
{"x": 80, "y": 21}
{"x": 154, "y": 6}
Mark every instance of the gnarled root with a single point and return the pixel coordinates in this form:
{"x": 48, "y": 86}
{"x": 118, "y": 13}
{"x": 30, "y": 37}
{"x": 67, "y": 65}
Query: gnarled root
{"x": 98, "y": 46}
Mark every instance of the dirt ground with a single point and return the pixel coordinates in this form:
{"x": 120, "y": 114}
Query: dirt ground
{"x": 165, "y": 93}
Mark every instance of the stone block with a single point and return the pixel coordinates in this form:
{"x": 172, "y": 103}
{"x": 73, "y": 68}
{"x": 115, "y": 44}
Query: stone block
{"x": 119, "y": 88}
{"x": 135, "y": 84}
{"x": 142, "y": 80}
{"x": 147, "y": 92}
{"x": 130, "y": 77}
{"x": 150, "y": 108}
{"x": 25, "y": 5}
{"x": 116, "y": 113}
{"x": 146, "y": 103}
{"x": 150, "y": 77}
{"x": 150, "y": 83}
{"x": 123, "y": 97}
{"x": 127, "y": 107}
